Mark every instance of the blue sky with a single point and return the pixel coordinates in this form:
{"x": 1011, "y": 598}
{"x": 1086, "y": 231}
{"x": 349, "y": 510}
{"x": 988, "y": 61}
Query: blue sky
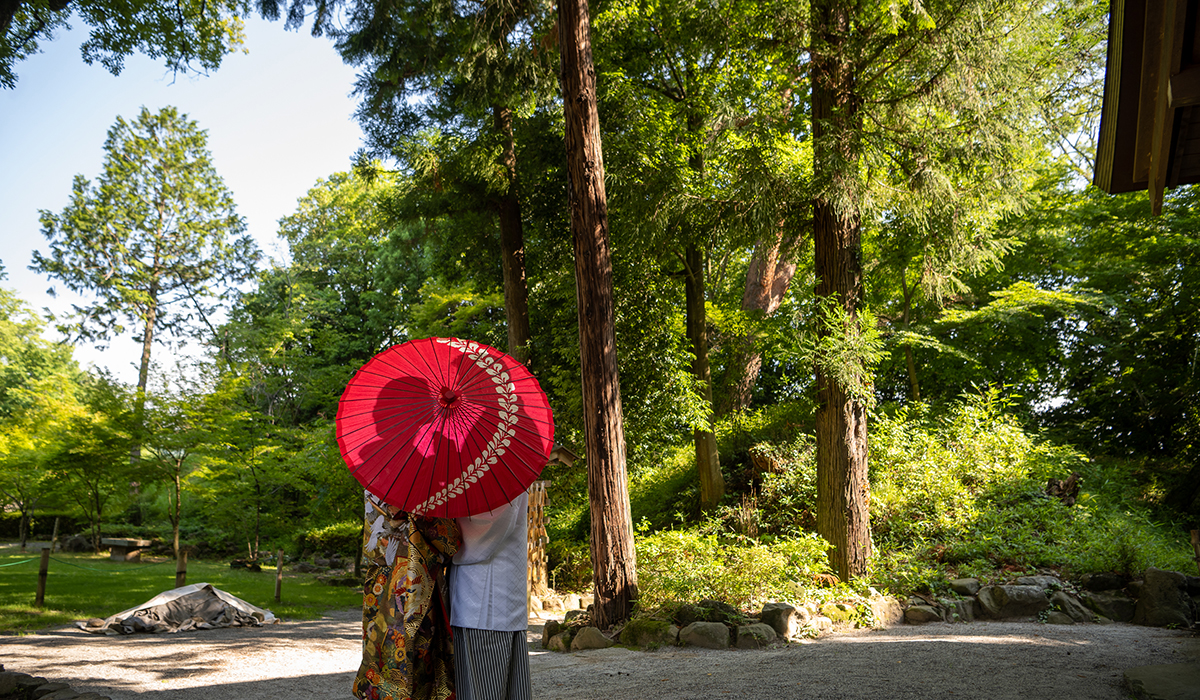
{"x": 278, "y": 119}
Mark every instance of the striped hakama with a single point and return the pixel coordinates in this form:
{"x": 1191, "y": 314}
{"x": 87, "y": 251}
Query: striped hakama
{"x": 490, "y": 665}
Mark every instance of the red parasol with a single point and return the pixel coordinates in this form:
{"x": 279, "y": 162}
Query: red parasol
{"x": 444, "y": 427}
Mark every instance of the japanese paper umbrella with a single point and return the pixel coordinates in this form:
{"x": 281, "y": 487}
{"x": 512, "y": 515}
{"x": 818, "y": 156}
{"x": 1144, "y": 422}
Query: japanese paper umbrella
{"x": 444, "y": 427}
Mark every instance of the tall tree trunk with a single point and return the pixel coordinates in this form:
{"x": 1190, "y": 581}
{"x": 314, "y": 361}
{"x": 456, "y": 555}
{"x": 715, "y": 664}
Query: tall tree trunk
{"x": 139, "y": 405}
{"x": 177, "y": 510}
{"x": 767, "y": 280}
{"x": 512, "y": 244}
{"x": 613, "y": 558}
{"x": 842, "y": 489}
{"x": 708, "y": 462}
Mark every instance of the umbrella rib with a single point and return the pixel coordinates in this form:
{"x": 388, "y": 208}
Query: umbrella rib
{"x": 404, "y": 412}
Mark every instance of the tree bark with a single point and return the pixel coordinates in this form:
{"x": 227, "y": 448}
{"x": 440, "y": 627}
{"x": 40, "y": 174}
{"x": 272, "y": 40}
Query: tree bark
{"x": 139, "y": 406}
{"x": 708, "y": 462}
{"x": 613, "y": 558}
{"x": 842, "y": 489}
{"x": 512, "y": 244}
{"x": 768, "y": 278}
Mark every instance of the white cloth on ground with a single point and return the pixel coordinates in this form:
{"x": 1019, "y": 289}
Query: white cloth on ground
{"x": 491, "y": 569}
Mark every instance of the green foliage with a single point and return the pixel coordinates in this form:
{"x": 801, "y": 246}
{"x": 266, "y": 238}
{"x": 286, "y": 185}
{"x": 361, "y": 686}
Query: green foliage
{"x": 687, "y": 565}
{"x": 343, "y": 538}
{"x": 194, "y": 34}
{"x": 459, "y": 313}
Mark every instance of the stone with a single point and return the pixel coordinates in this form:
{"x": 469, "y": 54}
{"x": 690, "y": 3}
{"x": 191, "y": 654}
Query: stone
{"x": 571, "y": 601}
{"x": 786, "y": 620}
{"x": 838, "y": 612}
{"x": 1002, "y": 602}
{"x": 1057, "y": 617}
{"x": 1114, "y": 605}
{"x": 48, "y": 688}
{"x": 304, "y": 567}
{"x": 1192, "y": 585}
{"x": 560, "y": 642}
{"x": 673, "y": 634}
{"x": 920, "y": 614}
{"x": 1102, "y": 581}
{"x": 1134, "y": 588}
{"x": 1042, "y": 582}
{"x": 61, "y": 694}
{"x": 92, "y": 696}
{"x": 1163, "y": 602}
{"x": 573, "y": 615}
{"x": 823, "y": 624}
{"x": 965, "y": 586}
{"x": 551, "y": 628}
{"x": 710, "y": 635}
{"x": 8, "y": 683}
{"x": 1164, "y": 681}
{"x": 647, "y": 633}
{"x": 590, "y": 638}
{"x": 534, "y": 602}
{"x": 754, "y": 636}
{"x": 1070, "y": 605}
{"x": 886, "y": 610}
{"x": 962, "y": 610}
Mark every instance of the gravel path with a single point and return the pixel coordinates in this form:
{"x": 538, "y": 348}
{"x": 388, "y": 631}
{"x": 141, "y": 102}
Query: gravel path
{"x": 317, "y": 659}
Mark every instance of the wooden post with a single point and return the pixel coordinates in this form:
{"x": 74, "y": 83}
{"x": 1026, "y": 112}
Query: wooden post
{"x": 43, "y": 572}
{"x": 279, "y": 575}
{"x": 181, "y": 570}
{"x": 1196, "y": 546}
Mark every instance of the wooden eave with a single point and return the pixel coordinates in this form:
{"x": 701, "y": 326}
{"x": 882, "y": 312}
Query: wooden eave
{"x": 1150, "y": 123}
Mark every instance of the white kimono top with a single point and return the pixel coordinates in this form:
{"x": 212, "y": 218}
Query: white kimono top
{"x": 490, "y": 575}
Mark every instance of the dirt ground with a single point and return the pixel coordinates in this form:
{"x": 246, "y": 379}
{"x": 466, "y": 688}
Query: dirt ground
{"x": 317, "y": 659}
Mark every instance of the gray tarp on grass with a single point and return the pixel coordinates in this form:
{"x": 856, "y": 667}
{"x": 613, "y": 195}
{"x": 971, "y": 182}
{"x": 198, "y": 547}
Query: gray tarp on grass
{"x": 195, "y": 607}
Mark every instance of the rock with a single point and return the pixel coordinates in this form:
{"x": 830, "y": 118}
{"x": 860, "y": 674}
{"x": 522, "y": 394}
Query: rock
{"x": 1114, "y": 605}
{"x": 61, "y": 694}
{"x": 1059, "y": 618}
{"x": 551, "y": 628}
{"x": 534, "y": 602}
{"x": 1192, "y": 585}
{"x": 1102, "y": 581}
{"x": 673, "y": 634}
{"x": 8, "y": 683}
{"x": 823, "y": 624}
{"x": 838, "y": 612}
{"x": 560, "y": 642}
{"x": 92, "y": 696}
{"x": 965, "y": 586}
{"x": 1134, "y": 588}
{"x": 718, "y": 611}
{"x": 1042, "y": 582}
{"x": 754, "y": 636}
{"x": 322, "y": 562}
{"x": 1163, "y": 601}
{"x": 1002, "y": 602}
{"x": 571, "y": 601}
{"x": 886, "y": 610}
{"x": 48, "y": 688}
{"x": 1070, "y": 605}
{"x": 304, "y": 567}
{"x": 95, "y": 622}
{"x": 590, "y": 638}
{"x": 710, "y": 635}
{"x": 963, "y": 610}
{"x": 920, "y": 614}
{"x": 647, "y": 633}
{"x": 786, "y": 620}
{"x": 573, "y": 615}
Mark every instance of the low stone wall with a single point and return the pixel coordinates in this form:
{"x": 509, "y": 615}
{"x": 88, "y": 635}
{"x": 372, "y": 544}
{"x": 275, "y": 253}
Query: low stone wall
{"x": 1158, "y": 599}
{"x": 22, "y": 686}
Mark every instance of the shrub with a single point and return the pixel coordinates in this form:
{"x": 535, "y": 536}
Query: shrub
{"x": 342, "y": 538}
{"x": 677, "y": 566}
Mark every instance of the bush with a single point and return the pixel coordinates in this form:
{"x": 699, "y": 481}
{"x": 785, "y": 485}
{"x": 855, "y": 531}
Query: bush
{"x": 343, "y": 538}
{"x": 677, "y": 566}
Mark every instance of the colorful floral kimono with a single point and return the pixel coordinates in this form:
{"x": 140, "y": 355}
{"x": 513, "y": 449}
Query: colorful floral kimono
{"x": 407, "y": 645}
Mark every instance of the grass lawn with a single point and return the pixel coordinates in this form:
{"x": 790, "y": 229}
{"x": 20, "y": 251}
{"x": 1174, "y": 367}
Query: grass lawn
{"x": 82, "y": 586}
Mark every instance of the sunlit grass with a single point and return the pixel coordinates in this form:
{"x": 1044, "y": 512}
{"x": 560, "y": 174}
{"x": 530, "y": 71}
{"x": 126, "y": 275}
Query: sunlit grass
{"x": 82, "y": 586}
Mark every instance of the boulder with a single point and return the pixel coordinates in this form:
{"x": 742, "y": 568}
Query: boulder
{"x": 710, "y": 635}
{"x": 823, "y": 624}
{"x": 1163, "y": 601}
{"x": 1071, "y": 606}
{"x": 786, "y": 620}
{"x": 1192, "y": 585}
{"x": 920, "y": 614}
{"x": 838, "y": 612}
{"x": 590, "y": 638}
{"x": 961, "y": 610}
{"x": 754, "y": 636}
{"x": 1059, "y": 618}
{"x": 1003, "y": 602}
{"x": 573, "y": 615}
{"x": 886, "y": 610}
{"x": 647, "y": 633}
{"x": 965, "y": 586}
{"x": 1114, "y": 605}
{"x": 707, "y": 611}
{"x": 551, "y": 628}
{"x": 571, "y": 601}
{"x": 60, "y": 694}
{"x": 560, "y": 642}
{"x": 1042, "y": 582}
{"x": 1102, "y": 581}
